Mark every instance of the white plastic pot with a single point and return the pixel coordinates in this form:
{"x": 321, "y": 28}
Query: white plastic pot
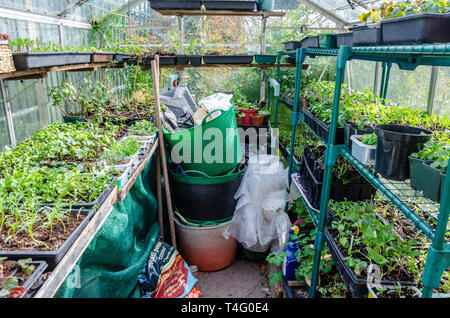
{"x": 362, "y": 152}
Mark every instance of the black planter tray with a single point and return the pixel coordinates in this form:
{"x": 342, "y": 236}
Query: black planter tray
{"x": 323, "y": 130}
{"x": 25, "y": 61}
{"x": 176, "y": 4}
{"x": 310, "y": 42}
{"x": 228, "y": 59}
{"x": 182, "y": 59}
{"x": 144, "y": 60}
{"x": 367, "y": 34}
{"x": 417, "y": 28}
{"x": 195, "y": 59}
{"x": 167, "y": 60}
{"x": 52, "y": 257}
{"x": 101, "y": 57}
{"x": 350, "y": 130}
{"x": 357, "y": 286}
{"x": 120, "y": 57}
{"x": 230, "y": 5}
{"x": 290, "y": 59}
{"x": 94, "y": 205}
{"x": 287, "y": 100}
{"x": 344, "y": 39}
{"x": 286, "y": 152}
{"x": 309, "y": 119}
{"x": 34, "y": 282}
{"x": 292, "y": 45}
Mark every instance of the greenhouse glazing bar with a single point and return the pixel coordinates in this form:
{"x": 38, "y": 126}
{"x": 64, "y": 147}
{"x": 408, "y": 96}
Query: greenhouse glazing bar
{"x": 407, "y": 57}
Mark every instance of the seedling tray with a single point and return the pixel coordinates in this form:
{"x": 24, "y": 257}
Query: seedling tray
{"x": 369, "y": 34}
{"x": 34, "y": 282}
{"x": 292, "y": 45}
{"x": 176, "y": 5}
{"x": 227, "y": 59}
{"x": 357, "y": 286}
{"x": 309, "y": 119}
{"x": 101, "y": 57}
{"x": 286, "y": 99}
{"x": 91, "y": 205}
{"x": 167, "y": 60}
{"x": 230, "y": 5}
{"x": 344, "y": 39}
{"x": 25, "y": 61}
{"x": 417, "y": 28}
{"x": 310, "y": 42}
{"x": 52, "y": 258}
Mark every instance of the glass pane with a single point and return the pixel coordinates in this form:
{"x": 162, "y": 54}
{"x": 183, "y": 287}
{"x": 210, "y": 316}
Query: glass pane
{"x": 442, "y": 96}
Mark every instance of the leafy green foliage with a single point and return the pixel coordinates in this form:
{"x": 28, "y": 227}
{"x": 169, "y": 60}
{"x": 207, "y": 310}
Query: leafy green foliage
{"x": 369, "y": 139}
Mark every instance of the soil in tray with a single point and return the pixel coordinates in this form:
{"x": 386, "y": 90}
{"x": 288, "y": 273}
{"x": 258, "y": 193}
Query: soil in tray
{"x": 60, "y": 233}
{"x": 393, "y": 276}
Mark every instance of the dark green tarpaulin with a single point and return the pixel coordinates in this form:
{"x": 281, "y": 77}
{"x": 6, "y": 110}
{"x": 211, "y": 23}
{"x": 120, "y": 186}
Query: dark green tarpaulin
{"x": 110, "y": 265}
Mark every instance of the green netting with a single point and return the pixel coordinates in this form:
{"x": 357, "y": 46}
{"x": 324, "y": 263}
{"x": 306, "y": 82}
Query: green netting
{"x": 110, "y": 265}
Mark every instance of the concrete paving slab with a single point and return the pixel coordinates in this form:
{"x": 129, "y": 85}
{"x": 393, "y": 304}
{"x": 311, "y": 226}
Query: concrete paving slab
{"x": 242, "y": 279}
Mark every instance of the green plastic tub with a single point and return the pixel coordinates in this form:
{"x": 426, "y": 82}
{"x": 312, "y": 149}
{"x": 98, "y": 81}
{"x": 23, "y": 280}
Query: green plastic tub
{"x": 266, "y": 58}
{"x": 200, "y": 140}
{"x": 73, "y": 119}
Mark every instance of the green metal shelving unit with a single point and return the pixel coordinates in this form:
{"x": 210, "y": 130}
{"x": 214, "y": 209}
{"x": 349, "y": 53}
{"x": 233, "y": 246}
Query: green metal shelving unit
{"x": 407, "y": 57}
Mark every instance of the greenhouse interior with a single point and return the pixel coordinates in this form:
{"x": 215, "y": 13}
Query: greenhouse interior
{"x": 251, "y": 149}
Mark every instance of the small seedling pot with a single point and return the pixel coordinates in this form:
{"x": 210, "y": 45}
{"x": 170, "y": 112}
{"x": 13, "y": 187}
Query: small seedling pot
{"x": 362, "y": 152}
{"x": 266, "y": 58}
{"x": 240, "y": 120}
{"x": 248, "y": 115}
{"x": 257, "y": 120}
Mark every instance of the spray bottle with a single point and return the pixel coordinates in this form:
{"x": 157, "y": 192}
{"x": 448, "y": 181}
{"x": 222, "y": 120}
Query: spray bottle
{"x": 290, "y": 263}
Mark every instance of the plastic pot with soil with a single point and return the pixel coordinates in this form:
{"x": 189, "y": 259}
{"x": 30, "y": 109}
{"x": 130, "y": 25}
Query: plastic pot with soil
{"x": 247, "y": 119}
{"x": 395, "y": 143}
{"x": 25, "y": 61}
{"x": 433, "y": 178}
{"x": 182, "y": 59}
{"x": 195, "y": 59}
{"x": 175, "y": 5}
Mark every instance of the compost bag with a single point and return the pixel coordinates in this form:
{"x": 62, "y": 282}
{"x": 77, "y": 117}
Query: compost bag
{"x": 166, "y": 275}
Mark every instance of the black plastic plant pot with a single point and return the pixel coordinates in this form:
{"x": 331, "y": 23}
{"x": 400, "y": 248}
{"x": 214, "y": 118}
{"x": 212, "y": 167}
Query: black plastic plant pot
{"x": 417, "y": 173}
{"x": 182, "y": 59}
{"x": 432, "y": 183}
{"x": 195, "y": 59}
{"x": 52, "y": 258}
{"x": 344, "y": 39}
{"x": 417, "y": 28}
{"x": 367, "y": 34}
{"x": 228, "y": 59}
{"x": 230, "y": 5}
{"x": 26, "y": 61}
{"x": 94, "y": 205}
{"x": 309, "y": 119}
{"x": 292, "y": 45}
{"x": 290, "y": 59}
{"x": 121, "y": 58}
{"x": 323, "y": 130}
{"x": 350, "y": 130}
{"x": 207, "y": 199}
{"x": 395, "y": 143}
{"x": 327, "y": 41}
{"x": 357, "y": 286}
{"x": 176, "y": 5}
{"x": 310, "y": 42}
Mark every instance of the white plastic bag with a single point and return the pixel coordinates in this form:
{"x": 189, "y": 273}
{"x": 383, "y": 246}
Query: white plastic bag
{"x": 216, "y": 101}
{"x": 259, "y": 220}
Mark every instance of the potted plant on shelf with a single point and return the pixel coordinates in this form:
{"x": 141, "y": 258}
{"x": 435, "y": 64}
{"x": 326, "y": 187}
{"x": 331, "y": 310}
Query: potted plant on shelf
{"x": 364, "y": 148}
{"x": 257, "y": 119}
{"x": 77, "y": 101}
{"x": 239, "y": 117}
{"x": 246, "y": 108}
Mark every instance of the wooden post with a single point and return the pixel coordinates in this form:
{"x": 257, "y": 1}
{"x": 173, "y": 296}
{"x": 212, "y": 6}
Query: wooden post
{"x": 155, "y": 73}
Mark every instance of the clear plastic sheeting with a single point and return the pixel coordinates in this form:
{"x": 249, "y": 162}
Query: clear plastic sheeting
{"x": 259, "y": 220}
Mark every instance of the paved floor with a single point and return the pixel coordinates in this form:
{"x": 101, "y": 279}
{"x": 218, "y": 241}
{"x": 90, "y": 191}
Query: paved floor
{"x": 242, "y": 279}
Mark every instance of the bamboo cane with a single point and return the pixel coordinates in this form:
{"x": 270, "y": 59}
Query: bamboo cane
{"x": 155, "y": 73}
